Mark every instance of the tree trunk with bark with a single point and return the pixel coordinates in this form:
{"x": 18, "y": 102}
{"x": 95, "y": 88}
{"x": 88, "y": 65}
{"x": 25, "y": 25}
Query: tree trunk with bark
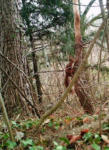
{"x": 81, "y": 86}
{"x": 12, "y": 47}
{"x": 35, "y": 68}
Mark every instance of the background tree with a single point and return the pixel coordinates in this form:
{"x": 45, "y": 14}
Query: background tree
{"x": 81, "y": 84}
{"x": 26, "y": 12}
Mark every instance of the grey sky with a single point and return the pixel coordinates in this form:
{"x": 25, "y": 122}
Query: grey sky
{"x": 94, "y": 10}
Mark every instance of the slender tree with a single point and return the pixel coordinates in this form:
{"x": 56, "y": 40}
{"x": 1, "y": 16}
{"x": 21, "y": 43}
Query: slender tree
{"x": 105, "y": 19}
{"x": 108, "y": 7}
{"x": 34, "y": 56}
{"x": 81, "y": 84}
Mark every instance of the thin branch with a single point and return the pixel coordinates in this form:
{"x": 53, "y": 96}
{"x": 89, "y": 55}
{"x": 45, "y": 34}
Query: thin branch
{"x": 7, "y": 80}
{"x": 107, "y": 6}
{"x": 21, "y": 92}
{"x": 104, "y": 19}
{"x": 83, "y": 5}
{"x": 93, "y": 19}
{"x": 6, "y": 119}
{"x": 88, "y": 7}
{"x": 16, "y": 67}
{"x": 100, "y": 57}
{"x": 9, "y": 61}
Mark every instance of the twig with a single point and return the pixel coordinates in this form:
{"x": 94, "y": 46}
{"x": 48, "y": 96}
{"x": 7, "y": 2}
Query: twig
{"x": 16, "y": 67}
{"x": 6, "y": 117}
{"x": 9, "y": 61}
{"x": 21, "y": 92}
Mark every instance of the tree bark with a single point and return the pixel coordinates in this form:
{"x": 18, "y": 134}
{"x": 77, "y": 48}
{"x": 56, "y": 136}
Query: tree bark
{"x": 82, "y": 84}
{"x": 12, "y": 47}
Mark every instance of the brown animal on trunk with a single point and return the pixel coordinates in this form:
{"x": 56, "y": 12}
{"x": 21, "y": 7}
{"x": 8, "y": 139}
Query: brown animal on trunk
{"x": 69, "y": 72}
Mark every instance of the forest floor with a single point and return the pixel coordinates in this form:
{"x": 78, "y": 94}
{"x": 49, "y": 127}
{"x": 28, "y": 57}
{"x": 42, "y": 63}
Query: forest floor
{"x": 66, "y": 129}
{"x": 63, "y": 130}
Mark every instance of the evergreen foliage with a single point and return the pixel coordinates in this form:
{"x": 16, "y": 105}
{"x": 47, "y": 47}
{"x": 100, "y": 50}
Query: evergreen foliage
{"x": 44, "y": 15}
{"x": 45, "y": 18}
{"x": 53, "y": 18}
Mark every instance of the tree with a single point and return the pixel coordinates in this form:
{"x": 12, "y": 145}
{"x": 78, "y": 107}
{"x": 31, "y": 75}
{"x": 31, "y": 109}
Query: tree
{"x": 104, "y": 18}
{"x": 14, "y": 82}
{"x": 26, "y": 17}
{"x": 81, "y": 84}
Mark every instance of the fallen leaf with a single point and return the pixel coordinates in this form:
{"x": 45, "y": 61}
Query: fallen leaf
{"x": 84, "y": 131}
{"x": 67, "y": 121}
{"x": 105, "y": 138}
{"x": 75, "y": 138}
{"x": 46, "y": 121}
{"x": 19, "y": 135}
{"x": 86, "y": 120}
{"x": 69, "y": 137}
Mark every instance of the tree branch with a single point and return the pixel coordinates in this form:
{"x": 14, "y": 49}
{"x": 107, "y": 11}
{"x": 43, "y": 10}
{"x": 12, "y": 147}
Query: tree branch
{"x": 6, "y": 117}
{"x": 21, "y": 92}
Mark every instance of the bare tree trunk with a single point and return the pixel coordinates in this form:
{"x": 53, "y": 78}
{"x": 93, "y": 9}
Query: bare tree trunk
{"x": 105, "y": 19}
{"x": 36, "y": 75}
{"x": 12, "y": 47}
{"x": 34, "y": 56}
{"x": 81, "y": 86}
{"x": 107, "y": 5}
